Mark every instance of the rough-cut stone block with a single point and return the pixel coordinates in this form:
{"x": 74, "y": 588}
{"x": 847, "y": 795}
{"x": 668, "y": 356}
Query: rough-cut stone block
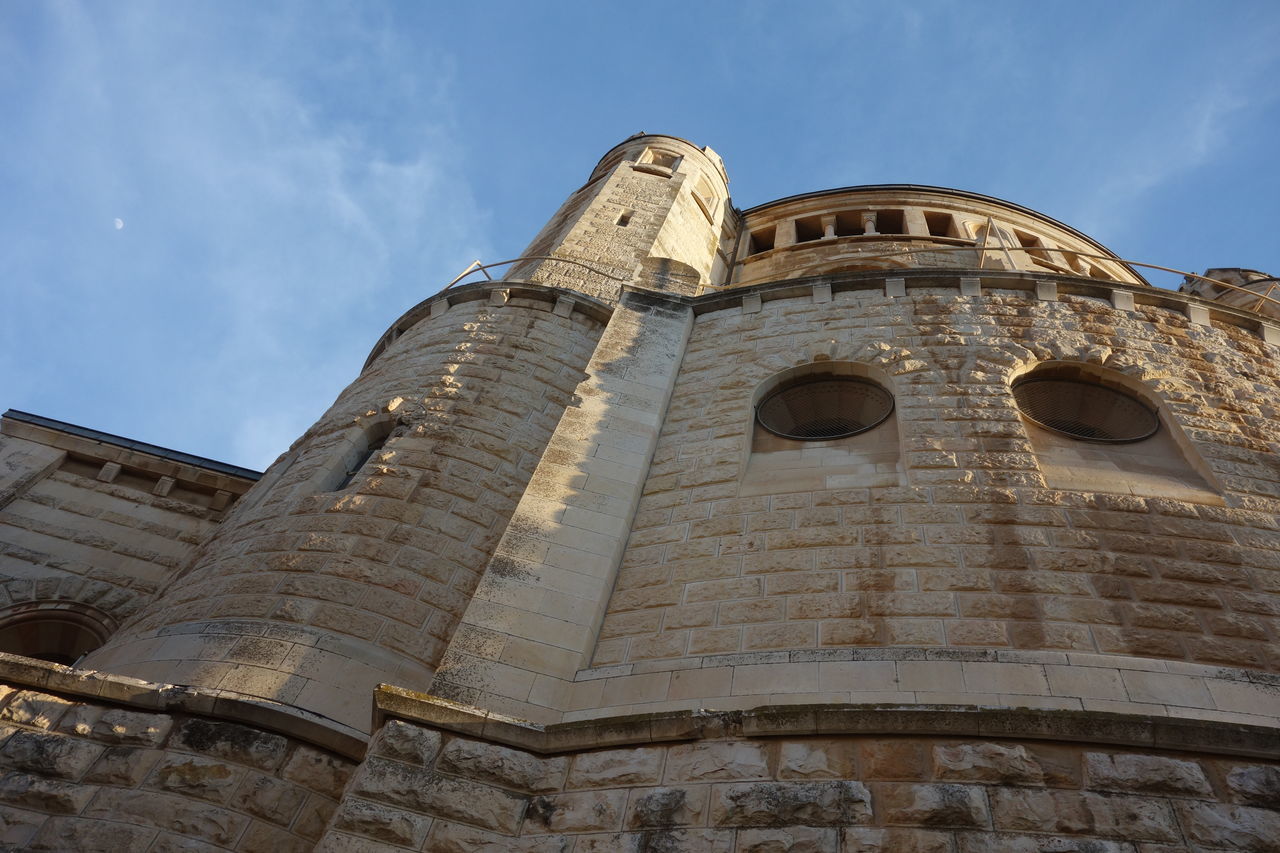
{"x": 990, "y": 842}
{"x": 1149, "y": 774}
{"x": 932, "y": 805}
{"x": 46, "y": 795}
{"x": 616, "y": 767}
{"x": 582, "y": 811}
{"x": 452, "y": 838}
{"x": 317, "y": 771}
{"x": 406, "y": 742}
{"x": 49, "y": 754}
{"x": 815, "y": 759}
{"x": 791, "y": 803}
{"x": 374, "y": 820}
{"x": 264, "y": 838}
{"x": 131, "y": 727}
{"x": 231, "y": 742}
{"x": 31, "y": 708}
{"x": 896, "y": 840}
{"x": 657, "y": 841}
{"x": 269, "y": 798}
{"x": 717, "y": 760}
{"x": 178, "y": 814}
{"x": 792, "y": 839}
{"x": 427, "y": 792}
{"x": 90, "y": 836}
{"x": 193, "y": 776}
{"x": 1255, "y": 785}
{"x": 663, "y": 808}
{"x": 987, "y": 762}
{"x": 1230, "y": 827}
{"x": 123, "y": 766}
{"x": 1109, "y": 816}
{"x": 500, "y": 765}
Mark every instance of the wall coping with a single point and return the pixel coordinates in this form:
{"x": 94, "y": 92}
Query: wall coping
{"x": 1132, "y": 730}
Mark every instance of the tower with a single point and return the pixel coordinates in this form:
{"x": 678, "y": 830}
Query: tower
{"x": 881, "y": 518}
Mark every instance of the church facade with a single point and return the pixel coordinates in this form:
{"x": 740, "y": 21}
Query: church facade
{"x": 886, "y": 518}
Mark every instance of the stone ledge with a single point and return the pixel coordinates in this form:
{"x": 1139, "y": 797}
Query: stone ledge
{"x": 791, "y": 720}
{"x": 227, "y": 705}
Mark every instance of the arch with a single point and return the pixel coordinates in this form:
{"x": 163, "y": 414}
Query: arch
{"x": 55, "y": 631}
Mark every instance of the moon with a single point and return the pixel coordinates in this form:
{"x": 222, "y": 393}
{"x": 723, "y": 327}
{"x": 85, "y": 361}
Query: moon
{"x": 119, "y": 223}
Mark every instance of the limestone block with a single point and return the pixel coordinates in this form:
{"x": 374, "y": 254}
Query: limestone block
{"x": 31, "y": 708}
{"x": 1151, "y": 774}
{"x": 792, "y": 839}
{"x": 791, "y": 803}
{"x": 895, "y": 840}
{"x": 932, "y": 805}
{"x": 509, "y": 768}
{"x": 452, "y": 838}
{"x": 583, "y": 811}
{"x": 406, "y": 742}
{"x": 90, "y": 836}
{"x": 1256, "y": 785}
{"x": 269, "y": 798}
{"x": 17, "y": 826}
{"x": 815, "y": 759}
{"x": 717, "y": 760}
{"x": 380, "y": 822}
{"x": 178, "y": 814}
{"x": 651, "y": 841}
{"x": 117, "y": 725}
{"x": 46, "y": 795}
{"x": 193, "y": 776}
{"x": 986, "y": 842}
{"x": 616, "y": 767}
{"x": 426, "y": 792}
{"x": 49, "y": 754}
{"x": 317, "y": 771}
{"x": 231, "y": 742}
{"x": 1036, "y": 810}
{"x": 663, "y": 808}
{"x": 987, "y": 762}
{"x": 1230, "y": 827}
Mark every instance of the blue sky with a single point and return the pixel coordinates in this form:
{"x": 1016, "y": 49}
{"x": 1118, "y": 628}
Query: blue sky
{"x": 292, "y": 176}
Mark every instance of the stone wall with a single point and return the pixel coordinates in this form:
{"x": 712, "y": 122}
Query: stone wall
{"x": 312, "y": 594}
{"x": 423, "y": 789}
{"x": 975, "y": 551}
{"x": 88, "y": 776}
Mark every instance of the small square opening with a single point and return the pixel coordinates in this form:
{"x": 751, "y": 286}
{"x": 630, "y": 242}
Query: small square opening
{"x": 761, "y": 240}
{"x": 940, "y": 224}
{"x": 809, "y": 228}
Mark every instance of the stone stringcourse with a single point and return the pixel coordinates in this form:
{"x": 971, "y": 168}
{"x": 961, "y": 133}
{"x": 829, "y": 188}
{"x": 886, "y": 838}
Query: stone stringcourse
{"x": 539, "y": 581}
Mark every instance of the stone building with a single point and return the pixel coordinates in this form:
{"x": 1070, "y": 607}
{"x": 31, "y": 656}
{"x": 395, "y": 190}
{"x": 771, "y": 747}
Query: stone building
{"x": 888, "y": 518}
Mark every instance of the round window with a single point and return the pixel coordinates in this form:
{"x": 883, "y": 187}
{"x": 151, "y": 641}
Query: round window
{"x": 1085, "y": 410}
{"x": 823, "y": 407}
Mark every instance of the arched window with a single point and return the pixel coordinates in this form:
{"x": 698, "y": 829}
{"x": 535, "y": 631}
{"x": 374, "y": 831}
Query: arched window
{"x": 57, "y": 631}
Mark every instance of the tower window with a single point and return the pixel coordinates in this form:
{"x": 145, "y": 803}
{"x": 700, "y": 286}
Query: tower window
{"x": 761, "y": 240}
{"x": 1086, "y": 411}
{"x": 820, "y": 407}
{"x": 58, "y": 632}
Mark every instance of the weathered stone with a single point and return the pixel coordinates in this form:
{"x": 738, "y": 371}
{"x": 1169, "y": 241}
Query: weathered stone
{"x": 314, "y": 816}
{"x": 49, "y": 754}
{"x": 406, "y": 742}
{"x": 427, "y": 792}
{"x": 132, "y": 727}
{"x": 1257, "y": 785}
{"x": 807, "y": 759}
{"x": 1056, "y": 811}
{"x": 269, "y": 798}
{"x": 1151, "y": 774}
{"x": 167, "y": 842}
{"x": 657, "y": 841}
{"x": 123, "y": 766}
{"x": 264, "y": 838}
{"x": 90, "y": 836}
{"x": 231, "y": 742}
{"x": 932, "y": 805}
{"x": 17, "y": 826}
{"x": 987, "y": 762}
{"x": 452, "y": 838}
{"x": 791, "y": 803}
{"x": 717, "y": 760}
{"x": 582, "y": 811}
{"x": 380, "y": 822}
{"x": 193, "y": 776}
{"x": 663, "y": 808}
{"x": 176, "y": 813}
{"x": 31, "y": 708}
{"x": 792, "y": 839}
{"x": 46, "y": 795}
{"x": 616, "y": 767}
{"x": 1230, "y": 827}
{"x": 991, "y": 842}
{"x": 865, "y": 839}
{"x": 510, "y": 768}
{"x": 317, "y": 771}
